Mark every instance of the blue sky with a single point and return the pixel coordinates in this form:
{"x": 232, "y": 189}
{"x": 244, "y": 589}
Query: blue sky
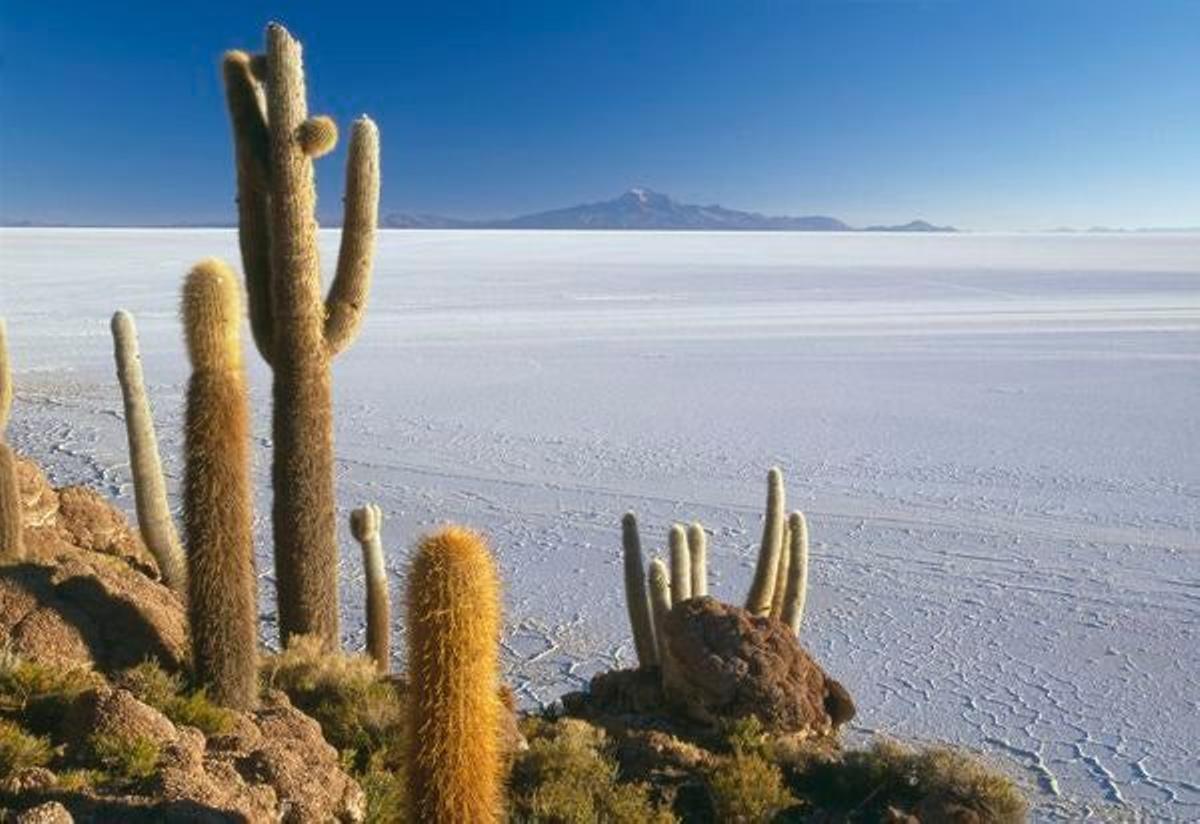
{"x": 1018, "y": 114}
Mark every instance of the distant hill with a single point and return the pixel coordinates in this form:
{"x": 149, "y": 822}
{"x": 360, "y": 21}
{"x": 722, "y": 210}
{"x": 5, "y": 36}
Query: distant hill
{"x": 647, "y": 210}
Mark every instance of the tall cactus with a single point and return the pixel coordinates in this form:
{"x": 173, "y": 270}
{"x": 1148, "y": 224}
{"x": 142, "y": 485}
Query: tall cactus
{"x": 660, "y": 603}
{"x": 781, "y": 572}
{"x": 454, "y": 771}
{"x": 698, "y": 547}
{"x": 12, "y": 542}
{"x": 217, "y": 517}
{"x": 149, "y": 488}
{"x": 296, "y": 331}
{"x": 797, "y": 579}
{"x": 762, "y": 589}
{"x": 636, "y": 599}
{"x": 364, "y": 526}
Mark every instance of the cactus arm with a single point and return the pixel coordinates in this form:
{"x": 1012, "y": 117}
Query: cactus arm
{"x": 347, "y": 297}
{"x": 762, "y": 589}
{"x": 781, "y": 572}
{"x": 698, "y": 547}
{"x": 454, "y": 764}
{"x": 217, "y": 492}
{"x": 12, "y": 539}
{"x": 636, "y": 598}
{"x": 149, "y": 488}
{"x": 364, "y": 525}
{"x": 681, "y": 564}
{"x": 797, "y": 580}
{"x": 660, "y": 604}
{"x": 6, "y": 388}
{"x": 252, "y": 148}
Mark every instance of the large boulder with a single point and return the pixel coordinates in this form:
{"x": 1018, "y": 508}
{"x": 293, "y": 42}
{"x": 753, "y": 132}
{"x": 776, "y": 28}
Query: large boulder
{"x": 724, "y": 663}
{"x": 89, "y": 592}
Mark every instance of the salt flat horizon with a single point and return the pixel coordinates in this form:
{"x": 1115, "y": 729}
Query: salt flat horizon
{"x": 993, "y": 435}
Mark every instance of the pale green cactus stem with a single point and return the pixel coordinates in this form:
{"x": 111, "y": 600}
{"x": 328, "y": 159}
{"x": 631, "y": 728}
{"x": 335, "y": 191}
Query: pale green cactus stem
{"x": 698, "y": 547}
{"x": 636, "y": 598}
{"x": 149, "y": 488}
{"x": 762, "y": 589}
{"x": 12, "y": 540}
{"x": 660, "y": 603}
{"x": 681, "y": 564}
{"x": 364, "y": 525}
{"x": 797, "y": 580}
{"x": 781, "y": 573}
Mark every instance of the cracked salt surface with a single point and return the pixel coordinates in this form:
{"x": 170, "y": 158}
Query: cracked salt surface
{"x": 994, "y": 438}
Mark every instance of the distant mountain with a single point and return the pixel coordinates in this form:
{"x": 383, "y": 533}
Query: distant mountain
{"x": 643, "y": 209}
{"x": 911, "y": 226}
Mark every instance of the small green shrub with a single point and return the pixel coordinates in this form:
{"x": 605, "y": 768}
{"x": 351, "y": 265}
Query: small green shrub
{"x": 19, "y": 749}
{"x": 568, "y": 776}
{"x": 38, "y": 694}
{"x": 167, "y": 693}
{"x": 78, "y": 780}
{"x": 360, "y": 714}
{"x": 124, "y": 760}
{"x": 747, "y": 788}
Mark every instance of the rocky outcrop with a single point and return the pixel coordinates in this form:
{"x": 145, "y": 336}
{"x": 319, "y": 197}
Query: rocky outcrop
{"x": 271, "y": 766}
{"x": 88, "y": 593}
{"x": 724, "y": 663}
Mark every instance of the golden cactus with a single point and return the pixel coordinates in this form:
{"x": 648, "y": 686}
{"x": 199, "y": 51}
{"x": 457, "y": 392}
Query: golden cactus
{"x": 659, "y": 584}
{"x": 217, "y": 493}
{"x": 298, "y": 332}
{"x": 797, "y": 579}
{"x": 453, "y": 663}
{"x": 698, "y": 547}
{"x": 681, "y": 564}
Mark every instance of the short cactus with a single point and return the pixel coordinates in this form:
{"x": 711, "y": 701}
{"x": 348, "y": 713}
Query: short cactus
{"x": 660, "y": 603}
{"x": 681, "y": 564}
{"x": 797, "y": 579}
{"x": 698, "y": 547}
{"x": 762, "y": 589}
{"x": 217, "y": 516}
{"x": 12, "y": 541}
{"x": 454, "y": 764}
{"x": 318, "y": 136}
{"x": 149, "y": 488}
{"x": 636, "y": 599}
{"x": 364, "y": 525}
{"x": 781, "y": 573}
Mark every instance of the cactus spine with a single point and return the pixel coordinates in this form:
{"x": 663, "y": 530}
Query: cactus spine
{"x": 364, "y": 525}
{"x": 698, "y": 547}
{"x": 797, "y": 580}
{"x": 660, "y": 604}
{"x": 636, "y": 598}
{"x": 149, "y": 488}
{"x": 762, "y": 589}
{"x": 296, "y": 331}
{"x": 217, "y": 518}
{"x": 453, "y": 661}
{"x": 681, "y": 564}
{"x": 12, "y": 541}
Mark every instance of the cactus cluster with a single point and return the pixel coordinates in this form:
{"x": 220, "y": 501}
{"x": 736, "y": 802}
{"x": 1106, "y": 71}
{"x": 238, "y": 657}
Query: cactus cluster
{"x": 12, "y": 545}
{"x": 778, "y": 589}
{"x": 296, "y": 330}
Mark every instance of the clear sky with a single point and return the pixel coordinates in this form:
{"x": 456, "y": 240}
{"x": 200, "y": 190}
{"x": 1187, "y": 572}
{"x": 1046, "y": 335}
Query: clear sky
{"x": 987, "y": 114}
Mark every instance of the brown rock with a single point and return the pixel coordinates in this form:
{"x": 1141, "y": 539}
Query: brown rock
{"x": 89, "y": 593}
{"x": 49, "y": 813}
{"x": 725, "y": 663}
{"x": 115, "y": 713}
